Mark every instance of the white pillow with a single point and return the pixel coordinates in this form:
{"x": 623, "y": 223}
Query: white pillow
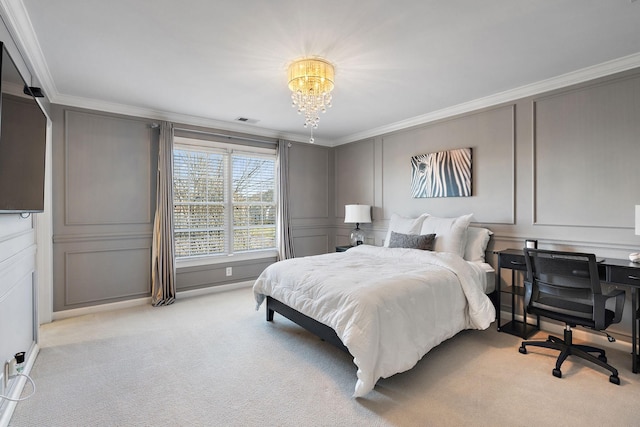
{"x": 403, "y": 225}
{"x": 477, "y": 241}
{"x": 451, "y": 233}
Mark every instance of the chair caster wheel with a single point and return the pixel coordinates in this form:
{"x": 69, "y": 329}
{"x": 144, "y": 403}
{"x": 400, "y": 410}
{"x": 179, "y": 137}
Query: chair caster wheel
{"x": 602, "y": 358}
{"x": 614, "y": 379}
{"x": 522, "y": 350}
{"x": 557, "y": 373}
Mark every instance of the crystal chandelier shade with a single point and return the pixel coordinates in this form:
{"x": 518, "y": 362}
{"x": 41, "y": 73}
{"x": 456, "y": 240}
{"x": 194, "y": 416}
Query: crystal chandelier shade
{"x": 311, "y": 82}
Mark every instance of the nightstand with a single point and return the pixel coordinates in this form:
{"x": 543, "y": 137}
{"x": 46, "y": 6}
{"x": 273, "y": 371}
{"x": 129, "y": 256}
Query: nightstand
{"x": 343, "y": 248}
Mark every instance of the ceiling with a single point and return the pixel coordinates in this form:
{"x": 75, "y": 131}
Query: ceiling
{"x": 397, "y": 62}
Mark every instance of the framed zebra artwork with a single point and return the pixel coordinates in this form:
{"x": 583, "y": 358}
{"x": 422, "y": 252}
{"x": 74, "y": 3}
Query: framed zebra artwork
{"x": 441, "y": 174}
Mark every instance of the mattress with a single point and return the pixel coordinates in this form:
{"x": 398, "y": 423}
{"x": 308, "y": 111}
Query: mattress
{"x": 389, "y": 306}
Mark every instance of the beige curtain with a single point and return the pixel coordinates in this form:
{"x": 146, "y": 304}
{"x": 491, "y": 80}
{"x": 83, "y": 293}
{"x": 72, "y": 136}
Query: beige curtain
{"x": 284, "y": 239}
{"x": 163, "y": 273}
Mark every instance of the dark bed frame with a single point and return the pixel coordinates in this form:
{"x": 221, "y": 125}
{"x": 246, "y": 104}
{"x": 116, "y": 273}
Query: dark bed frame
{"x": 321, "y": 330}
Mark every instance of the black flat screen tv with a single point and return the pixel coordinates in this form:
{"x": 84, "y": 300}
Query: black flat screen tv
{"x": 23, "y": 138}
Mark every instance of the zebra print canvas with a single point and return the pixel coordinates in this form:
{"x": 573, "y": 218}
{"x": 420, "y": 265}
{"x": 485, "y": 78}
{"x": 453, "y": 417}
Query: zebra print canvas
{"x": 441, "y": 174}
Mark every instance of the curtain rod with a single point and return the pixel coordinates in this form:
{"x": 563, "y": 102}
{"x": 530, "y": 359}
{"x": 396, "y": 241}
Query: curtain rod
{"x": 221, "y": 135}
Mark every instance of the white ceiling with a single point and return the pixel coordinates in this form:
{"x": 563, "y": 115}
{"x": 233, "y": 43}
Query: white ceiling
{"x": 397, "y": 62}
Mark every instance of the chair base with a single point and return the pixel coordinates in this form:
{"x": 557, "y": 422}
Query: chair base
{"x": 567, "y": 348}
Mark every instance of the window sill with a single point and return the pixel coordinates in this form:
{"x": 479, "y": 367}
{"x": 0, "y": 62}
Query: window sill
{"x": 225, "y": 259}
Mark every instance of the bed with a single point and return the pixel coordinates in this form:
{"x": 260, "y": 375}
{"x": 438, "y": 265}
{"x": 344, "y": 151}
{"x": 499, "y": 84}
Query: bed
{"x": 387, "y": 306}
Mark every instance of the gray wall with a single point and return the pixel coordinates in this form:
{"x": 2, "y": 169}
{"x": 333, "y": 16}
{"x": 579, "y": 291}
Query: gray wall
{"x": 103, "y": 196}
{"x": 103, "y": 206}
{"x": 311, "y": 198}
{"x": 557, "y": 167}
{"x": 378, "y": 171}
{"x": 561, "y": 167}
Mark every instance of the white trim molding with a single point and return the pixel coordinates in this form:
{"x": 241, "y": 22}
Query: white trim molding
{"x": 22, "y": 30}
{"x": 74, "y": 312}
{"x": 579, "y": 76}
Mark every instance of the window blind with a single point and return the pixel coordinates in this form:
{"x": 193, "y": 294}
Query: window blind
{"x": 254, "y": 203}
{"x": 224, "y": 200}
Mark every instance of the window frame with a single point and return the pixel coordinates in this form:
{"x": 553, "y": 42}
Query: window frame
{"x": 228, "y": 150}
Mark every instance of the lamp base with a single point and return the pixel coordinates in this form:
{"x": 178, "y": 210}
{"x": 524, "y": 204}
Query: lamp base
{"x": 357, "y": 236}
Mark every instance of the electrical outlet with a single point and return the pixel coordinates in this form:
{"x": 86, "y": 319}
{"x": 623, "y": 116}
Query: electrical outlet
{"x": 229, "y": 271}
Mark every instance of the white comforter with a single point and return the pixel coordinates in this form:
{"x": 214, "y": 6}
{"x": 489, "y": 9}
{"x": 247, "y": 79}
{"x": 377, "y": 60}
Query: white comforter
{"x": 388, "y": 306}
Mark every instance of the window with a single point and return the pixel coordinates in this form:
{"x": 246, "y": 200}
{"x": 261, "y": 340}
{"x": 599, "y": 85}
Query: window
{"x": 224, "y": 198}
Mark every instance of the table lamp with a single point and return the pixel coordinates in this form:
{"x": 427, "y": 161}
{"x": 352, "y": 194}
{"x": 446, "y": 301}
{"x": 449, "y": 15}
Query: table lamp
{"x": 635, "y": 257}
{"x": 359, "y": 214}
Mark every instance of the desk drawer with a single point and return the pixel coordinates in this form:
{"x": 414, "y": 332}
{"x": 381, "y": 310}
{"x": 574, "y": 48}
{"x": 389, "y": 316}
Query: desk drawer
{"x": 627, "y": 276}
{"x": 513, "y": 262}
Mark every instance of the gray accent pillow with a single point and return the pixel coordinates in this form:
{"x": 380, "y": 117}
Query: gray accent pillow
{"x": 412, "y": 241}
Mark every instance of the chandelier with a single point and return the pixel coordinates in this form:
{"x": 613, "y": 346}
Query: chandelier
{"x": 311, "y": 83}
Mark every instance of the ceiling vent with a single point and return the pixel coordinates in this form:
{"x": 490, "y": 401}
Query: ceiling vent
{"x": 246, "y": 120}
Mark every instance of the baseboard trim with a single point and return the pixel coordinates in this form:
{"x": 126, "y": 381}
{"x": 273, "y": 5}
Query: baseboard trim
{"x": 74, "y": 312}
{"x": 214, "y": 289}
{"x": 16, "y": 390}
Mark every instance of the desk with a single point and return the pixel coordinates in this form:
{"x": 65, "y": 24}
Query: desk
{"x": 615, "y": 271}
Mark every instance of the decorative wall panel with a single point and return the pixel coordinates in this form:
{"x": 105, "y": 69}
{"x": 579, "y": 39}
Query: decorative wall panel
{"x": 108, "y": 170}
{"x": 586, "y": 151}
{"x": 308, "y": 186}
{"x": 490, "y": 134}
{"x": 311, "y": 245}
{"x": 355, "y": 173}
{"x": 100, "y": 275}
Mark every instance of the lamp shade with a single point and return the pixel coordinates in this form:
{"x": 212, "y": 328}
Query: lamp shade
{"x": 357, "y": 213}
{"x": 638, "y": 220}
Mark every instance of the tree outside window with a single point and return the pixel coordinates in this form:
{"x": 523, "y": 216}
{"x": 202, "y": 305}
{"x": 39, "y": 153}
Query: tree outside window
{"x": 224, "y": 201}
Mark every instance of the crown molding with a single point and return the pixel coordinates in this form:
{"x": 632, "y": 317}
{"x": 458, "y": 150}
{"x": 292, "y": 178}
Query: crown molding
{"x": 589, "y": 73}
{"x": 115, "y": 108}
{"x": 21, "y": 29}
{"x": 19, "y": 24}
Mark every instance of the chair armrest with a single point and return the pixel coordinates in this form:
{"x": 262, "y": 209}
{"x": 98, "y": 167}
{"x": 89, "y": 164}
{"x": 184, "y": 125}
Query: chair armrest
{"x": 600, "y": 301}
{"x": 619, "y": 295}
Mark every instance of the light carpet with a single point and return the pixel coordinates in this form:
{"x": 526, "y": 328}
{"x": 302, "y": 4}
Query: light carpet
{"x": 214, "y": 361}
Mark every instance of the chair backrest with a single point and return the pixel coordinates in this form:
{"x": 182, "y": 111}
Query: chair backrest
{"x": 562, "y": 282}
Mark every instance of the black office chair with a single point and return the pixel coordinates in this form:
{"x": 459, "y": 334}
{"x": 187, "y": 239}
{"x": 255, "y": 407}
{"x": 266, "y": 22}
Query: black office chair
{"x": 565, "y": 286}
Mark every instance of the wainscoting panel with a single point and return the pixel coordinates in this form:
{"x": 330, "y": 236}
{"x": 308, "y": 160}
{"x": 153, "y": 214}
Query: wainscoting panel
{"x": 354, "y": 175}
{"x": 311, "y": 244}
{"x": 17, "y": 286}
{"x": 105, "y": 275}
{"x": 586, "y": 149}
{"x": 189, "y": 278}
{"x": 309, "y": 181}
{"x": 107, "y": 170}
{"x": 104, "y": 179}
{"x": 13, "y": 240}
{"x": 17, "y": 319}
